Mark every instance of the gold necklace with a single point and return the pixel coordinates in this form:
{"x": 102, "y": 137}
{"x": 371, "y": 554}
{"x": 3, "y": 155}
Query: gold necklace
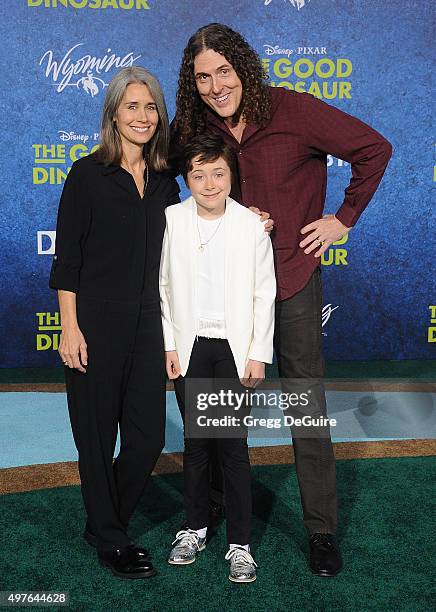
{"x": 203, "y": 244}
{"x": 146, "y": 178}
{"x": 126, "y": 167}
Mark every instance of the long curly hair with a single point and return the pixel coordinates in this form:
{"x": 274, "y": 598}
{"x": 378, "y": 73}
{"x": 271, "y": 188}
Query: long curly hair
{"x": 190, "y": 118}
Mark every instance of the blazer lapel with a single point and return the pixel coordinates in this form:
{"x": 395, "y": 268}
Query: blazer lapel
{"x": 193, "y": 246}
{"x": 230, "y": 241}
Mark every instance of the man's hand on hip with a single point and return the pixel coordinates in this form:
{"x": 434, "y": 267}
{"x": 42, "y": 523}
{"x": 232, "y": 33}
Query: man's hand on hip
{"x": 322, "y": 234}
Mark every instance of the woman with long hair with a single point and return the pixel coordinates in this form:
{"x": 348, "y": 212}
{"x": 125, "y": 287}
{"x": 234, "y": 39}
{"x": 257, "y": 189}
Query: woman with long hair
{"x": 109, "y": 236}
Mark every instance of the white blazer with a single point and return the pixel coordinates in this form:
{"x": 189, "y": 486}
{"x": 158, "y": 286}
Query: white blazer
{"x": 250, "y": 284}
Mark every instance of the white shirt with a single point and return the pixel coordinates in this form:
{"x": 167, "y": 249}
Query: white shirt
{"x": 211, "y": 277}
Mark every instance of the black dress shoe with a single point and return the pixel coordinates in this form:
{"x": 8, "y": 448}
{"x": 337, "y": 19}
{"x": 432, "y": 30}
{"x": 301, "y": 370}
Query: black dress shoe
{"x": 141, "y": 553}
{"x": 126, "y": 563}
{"x": 91, "y": 538}
{"x": 325, "y": 558}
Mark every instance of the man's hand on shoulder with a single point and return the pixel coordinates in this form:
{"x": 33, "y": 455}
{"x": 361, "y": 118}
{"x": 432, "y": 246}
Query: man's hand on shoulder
{"x": 264, "y": 217}
{"x": 322, "y": 234}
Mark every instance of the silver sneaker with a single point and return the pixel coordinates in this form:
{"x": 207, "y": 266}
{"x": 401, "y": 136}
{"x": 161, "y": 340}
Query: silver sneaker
{"x": 242, "y": 565}
{"x": 187, "y": 544}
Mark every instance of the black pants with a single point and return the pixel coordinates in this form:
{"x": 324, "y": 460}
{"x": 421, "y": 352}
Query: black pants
{"x": 298, "y": 347}
{"x": 213, "y": 359}
{"x": 124, "y": 387}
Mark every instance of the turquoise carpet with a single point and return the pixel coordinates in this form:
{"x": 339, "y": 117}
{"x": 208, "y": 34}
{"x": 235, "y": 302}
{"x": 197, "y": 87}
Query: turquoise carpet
{"x": 34, "y": 427}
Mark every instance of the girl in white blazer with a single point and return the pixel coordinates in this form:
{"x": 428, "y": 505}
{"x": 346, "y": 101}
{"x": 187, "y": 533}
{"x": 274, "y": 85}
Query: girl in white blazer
{"x": 217, "y": 287}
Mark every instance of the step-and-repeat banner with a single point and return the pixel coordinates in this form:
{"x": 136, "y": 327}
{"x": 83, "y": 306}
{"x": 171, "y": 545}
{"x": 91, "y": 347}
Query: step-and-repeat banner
{"x": 370, "y": 59}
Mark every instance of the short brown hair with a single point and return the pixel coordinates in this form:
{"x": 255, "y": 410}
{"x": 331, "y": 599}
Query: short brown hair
{"x": 207, "y": 148}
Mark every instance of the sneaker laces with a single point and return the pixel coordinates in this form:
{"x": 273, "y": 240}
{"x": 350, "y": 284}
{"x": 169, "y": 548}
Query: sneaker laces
{"x": 240, "y": 557}
{"x": 187, "y": 537}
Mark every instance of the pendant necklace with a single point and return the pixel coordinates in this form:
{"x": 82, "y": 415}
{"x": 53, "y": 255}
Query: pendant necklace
{"x": 203, "y": 244}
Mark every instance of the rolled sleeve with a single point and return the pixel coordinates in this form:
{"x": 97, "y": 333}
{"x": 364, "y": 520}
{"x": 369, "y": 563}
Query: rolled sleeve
{"x": 72, "y": 225}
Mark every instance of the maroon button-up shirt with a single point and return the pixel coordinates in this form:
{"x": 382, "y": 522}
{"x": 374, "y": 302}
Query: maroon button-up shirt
{"x": 283, "y": 170}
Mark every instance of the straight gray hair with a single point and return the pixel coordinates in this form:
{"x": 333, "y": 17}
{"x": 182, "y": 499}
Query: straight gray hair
{"x": 110, "y": 150}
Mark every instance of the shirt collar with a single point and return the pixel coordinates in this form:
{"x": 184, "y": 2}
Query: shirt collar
{"x": 122, "y": 178}
{"x": 213, "y": 118}
{"x": 110, "y": 169}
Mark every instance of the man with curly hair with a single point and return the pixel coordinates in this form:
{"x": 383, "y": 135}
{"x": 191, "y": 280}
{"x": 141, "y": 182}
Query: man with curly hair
{"x": 282, "y": 139}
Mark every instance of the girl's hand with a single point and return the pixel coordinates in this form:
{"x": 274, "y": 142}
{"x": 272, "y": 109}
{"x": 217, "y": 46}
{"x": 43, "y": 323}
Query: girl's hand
{"x": 254, "y": 373}
{"x": 172, "y": 364}
{"x": 73, "y": 349}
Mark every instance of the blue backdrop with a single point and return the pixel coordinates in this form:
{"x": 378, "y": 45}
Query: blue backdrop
{"x": 368, "y": 58}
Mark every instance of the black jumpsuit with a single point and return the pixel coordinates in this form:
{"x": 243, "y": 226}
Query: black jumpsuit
{"x": 108, "y": 248}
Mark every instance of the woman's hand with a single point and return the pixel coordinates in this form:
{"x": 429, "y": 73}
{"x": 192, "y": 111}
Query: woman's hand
{"x": 172, "y": 364}
{"x": 264, "y": 216}
{"x": 73, "y": 349}
{"x": 254, "y": 373}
